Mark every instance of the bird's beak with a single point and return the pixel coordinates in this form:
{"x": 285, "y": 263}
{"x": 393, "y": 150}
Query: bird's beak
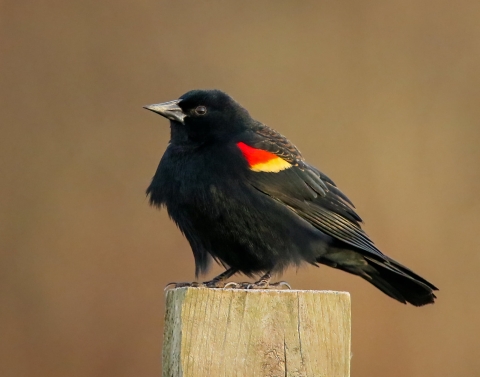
{"x": 169, "y": 110}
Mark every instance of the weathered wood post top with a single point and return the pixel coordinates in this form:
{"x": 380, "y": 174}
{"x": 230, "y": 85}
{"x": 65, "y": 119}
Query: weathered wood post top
{"x": 256, "y": 333}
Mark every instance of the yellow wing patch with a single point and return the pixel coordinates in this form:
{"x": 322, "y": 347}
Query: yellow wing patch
{"x": 272, "y": 166}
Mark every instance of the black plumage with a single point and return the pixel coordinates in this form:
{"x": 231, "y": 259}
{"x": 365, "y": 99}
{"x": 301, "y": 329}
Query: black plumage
{"x": 243, "y": 195}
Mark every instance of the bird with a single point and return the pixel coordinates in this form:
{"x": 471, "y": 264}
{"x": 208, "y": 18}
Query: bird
{"x": 244, "y": 196}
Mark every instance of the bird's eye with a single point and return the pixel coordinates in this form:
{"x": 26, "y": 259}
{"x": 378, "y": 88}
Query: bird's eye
{"x": 201, "y": 110}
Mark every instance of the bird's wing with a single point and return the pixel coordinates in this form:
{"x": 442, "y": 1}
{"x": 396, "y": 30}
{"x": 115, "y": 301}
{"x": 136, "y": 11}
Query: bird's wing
{"x": 279, "y": 170}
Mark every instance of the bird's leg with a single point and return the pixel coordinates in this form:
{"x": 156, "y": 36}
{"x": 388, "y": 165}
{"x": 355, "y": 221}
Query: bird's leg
{"x": 216, "y": 282}
{"x": 264, "y": 281}
{"x": 219, "y": 281}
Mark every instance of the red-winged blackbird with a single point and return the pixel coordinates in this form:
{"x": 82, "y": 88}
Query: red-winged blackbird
{"x": 243, "y": 195}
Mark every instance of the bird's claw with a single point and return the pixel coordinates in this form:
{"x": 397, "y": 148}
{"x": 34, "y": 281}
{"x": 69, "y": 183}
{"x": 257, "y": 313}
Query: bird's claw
{"x": 280, "y": 284}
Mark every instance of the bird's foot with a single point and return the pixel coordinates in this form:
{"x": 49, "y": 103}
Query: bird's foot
{"x": 280, "y": 284}
{"x": 219, "y": 282}
{"x": 182, "y": 285}
{"x": 214, "y": 283}
{"x": 234, "y": 285}
{"x": 261, "y": 284}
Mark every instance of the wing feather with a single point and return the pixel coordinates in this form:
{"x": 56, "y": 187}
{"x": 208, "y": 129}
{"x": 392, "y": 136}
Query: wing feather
{"x": 307, "y": 191}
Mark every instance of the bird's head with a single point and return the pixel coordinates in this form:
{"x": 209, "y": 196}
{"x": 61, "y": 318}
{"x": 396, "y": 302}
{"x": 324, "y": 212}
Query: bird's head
{"x": 203, "y": 115}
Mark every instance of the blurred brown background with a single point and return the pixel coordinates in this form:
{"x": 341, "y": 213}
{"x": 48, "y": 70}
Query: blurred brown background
{"x": 382, "y": 96}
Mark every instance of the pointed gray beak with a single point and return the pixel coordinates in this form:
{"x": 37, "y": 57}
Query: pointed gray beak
{"x": 169, "y": 110}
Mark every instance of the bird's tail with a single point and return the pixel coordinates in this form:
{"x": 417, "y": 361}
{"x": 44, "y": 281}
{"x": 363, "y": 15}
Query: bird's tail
{"x": 400, "y": 283}
{"x": 389, "y": 276}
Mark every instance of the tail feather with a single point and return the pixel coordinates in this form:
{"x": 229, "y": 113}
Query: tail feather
{"x": 407, "y": 271}
{"x": 389, "y": 276}
{"x": 398, "y": 284}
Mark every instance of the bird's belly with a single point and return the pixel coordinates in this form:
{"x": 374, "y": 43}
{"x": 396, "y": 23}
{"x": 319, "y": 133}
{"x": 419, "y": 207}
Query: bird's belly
{"x": 243, "y": 227}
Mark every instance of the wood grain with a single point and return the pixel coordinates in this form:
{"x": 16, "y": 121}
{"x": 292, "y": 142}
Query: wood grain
{"x": 230, "y": 332}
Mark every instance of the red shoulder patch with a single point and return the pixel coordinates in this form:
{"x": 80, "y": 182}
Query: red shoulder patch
{"x": 261, "y": 160}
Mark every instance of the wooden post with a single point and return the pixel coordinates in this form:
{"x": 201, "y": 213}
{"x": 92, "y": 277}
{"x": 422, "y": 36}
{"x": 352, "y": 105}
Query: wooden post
{"x": 256, "y": 333}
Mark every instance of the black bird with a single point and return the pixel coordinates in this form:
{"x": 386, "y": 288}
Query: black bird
{"x": 243, "y": 195}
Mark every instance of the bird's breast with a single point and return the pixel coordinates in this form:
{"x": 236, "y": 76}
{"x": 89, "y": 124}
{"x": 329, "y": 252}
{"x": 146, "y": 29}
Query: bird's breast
{"x": 203, "y": 179}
